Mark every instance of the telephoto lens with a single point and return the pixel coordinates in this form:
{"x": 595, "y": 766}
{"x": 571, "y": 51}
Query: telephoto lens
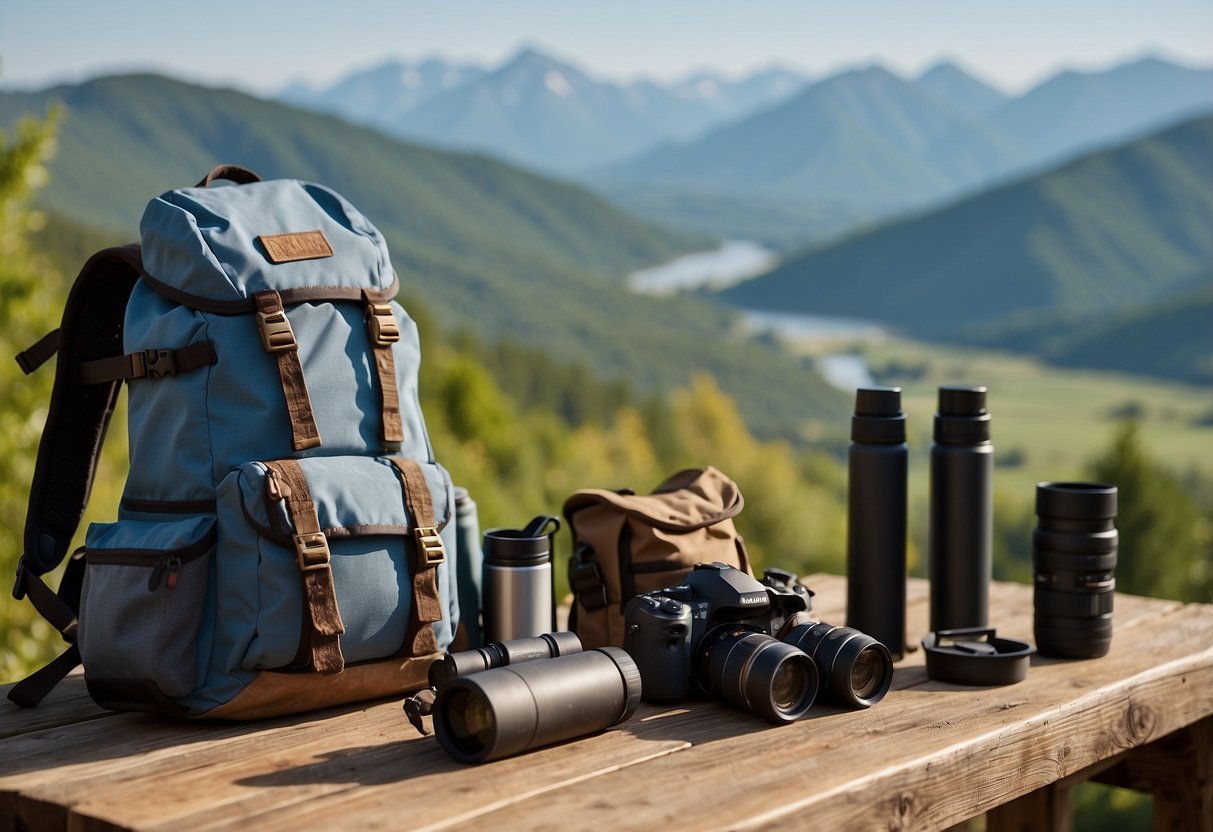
{"x": 1074, "y": 558}
{"x": 502, "y": 653}
{"x": 856, "y": 669}
{"x": 508, "y": 710}
{"x": 754, "y": 672}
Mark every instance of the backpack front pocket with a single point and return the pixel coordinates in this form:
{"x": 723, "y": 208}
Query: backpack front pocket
{"x": 141, "y": 606}
{"x": 363, "y": 551}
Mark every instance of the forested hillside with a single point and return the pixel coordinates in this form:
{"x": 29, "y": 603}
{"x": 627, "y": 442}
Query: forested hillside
{"x": 485, "y": 246}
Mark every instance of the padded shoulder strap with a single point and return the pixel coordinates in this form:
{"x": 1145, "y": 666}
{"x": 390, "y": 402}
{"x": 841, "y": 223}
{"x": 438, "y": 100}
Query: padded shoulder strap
{"x": 79, "y": 414}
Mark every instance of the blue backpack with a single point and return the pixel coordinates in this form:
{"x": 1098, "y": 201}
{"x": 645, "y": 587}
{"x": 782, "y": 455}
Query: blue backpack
{"x": 286, "y": 540}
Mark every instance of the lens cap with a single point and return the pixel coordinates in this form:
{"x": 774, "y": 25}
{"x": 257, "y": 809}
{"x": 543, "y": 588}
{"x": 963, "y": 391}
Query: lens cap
{"x": 975, "y": 656}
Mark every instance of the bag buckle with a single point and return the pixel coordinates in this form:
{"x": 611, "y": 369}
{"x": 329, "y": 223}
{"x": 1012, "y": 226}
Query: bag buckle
{"x": 276, "y": 332}
{"x": 159, "y": 363}
{"x": 585, "y": 578}
{"x": 381, "y": 324}
{"x": 312, "y": 551}
{"x": 430, "y": 551}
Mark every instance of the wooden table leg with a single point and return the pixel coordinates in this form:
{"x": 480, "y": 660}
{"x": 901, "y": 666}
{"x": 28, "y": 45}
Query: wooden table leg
{"x": 1044, "y": 809}
{"x": 1178, "y": 771}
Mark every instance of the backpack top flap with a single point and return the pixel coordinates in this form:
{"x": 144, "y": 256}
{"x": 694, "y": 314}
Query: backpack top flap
{"x": 689, "y": 500}
{"x": 214, "y": 248}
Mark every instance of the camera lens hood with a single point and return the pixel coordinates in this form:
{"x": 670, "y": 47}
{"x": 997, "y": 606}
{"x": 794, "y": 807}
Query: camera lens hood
{"x": 975, "y": 656}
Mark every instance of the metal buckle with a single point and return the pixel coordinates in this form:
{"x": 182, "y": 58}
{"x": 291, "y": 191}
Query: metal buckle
{"x": 159, "y": 363}
{"x": 382, "y": 324}
{"x": 312, "y": 551}
{"x": 430, "y": 551}
{"x": 276, "y": 332}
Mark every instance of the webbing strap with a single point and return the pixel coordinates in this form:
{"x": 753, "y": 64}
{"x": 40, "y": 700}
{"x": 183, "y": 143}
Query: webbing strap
{"x": 324, "y": 624}
{"x": 38, "y": 354}
{"x": 33, "y": 688}
{"x": 427, "y": 603}
{"x": 279, "y": 339}
{"x": 161, "y": 363}
{"x": 383, "y": 332}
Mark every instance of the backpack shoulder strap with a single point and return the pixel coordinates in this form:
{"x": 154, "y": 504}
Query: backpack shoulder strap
{"x": 76, "y": 423}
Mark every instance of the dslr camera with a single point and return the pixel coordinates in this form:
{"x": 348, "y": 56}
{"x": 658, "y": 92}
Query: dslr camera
{"x": 753, "y": 644}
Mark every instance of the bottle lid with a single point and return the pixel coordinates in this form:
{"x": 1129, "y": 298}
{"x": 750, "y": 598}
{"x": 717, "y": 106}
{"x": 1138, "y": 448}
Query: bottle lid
{"x": 962, "y": 418}
{"x": 878, "y": 416}
{"x": 521, "y": 547}
{"x": 975, "y": 656}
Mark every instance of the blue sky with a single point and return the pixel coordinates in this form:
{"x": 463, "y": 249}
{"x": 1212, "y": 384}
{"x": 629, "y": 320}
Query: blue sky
{"x": 261, "y": 45}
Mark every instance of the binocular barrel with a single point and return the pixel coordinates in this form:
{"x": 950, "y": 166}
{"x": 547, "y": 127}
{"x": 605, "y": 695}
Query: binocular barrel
{"x": 508, "y": 710}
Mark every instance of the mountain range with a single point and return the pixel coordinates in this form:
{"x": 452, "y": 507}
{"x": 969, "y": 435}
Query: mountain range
{"x": 481, "y": 245}
{"x": 880, "y": 145}
{"x": 537, "y": 110}
{"x": 1055, "y": 263}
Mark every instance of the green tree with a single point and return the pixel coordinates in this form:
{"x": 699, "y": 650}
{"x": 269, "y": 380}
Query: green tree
{"x": 1164, "y": 549}
{"x": 29, "y": 302}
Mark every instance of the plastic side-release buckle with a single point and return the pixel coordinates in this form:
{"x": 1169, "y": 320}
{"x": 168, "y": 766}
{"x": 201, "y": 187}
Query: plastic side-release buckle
{"x": 276, "y": 332}
{"x": 381, "y": 324}
{"x": 430, "y": 550}
{"x": 312, "y": 551}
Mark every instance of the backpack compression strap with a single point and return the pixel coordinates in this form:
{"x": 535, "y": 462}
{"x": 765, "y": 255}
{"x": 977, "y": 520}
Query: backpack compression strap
{"x": 76, "y": 422}
{"x": 427, "y": 604}
{"x": 324, "y": 625}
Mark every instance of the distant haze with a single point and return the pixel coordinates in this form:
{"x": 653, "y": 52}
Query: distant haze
{"x": 1012, "y": 44}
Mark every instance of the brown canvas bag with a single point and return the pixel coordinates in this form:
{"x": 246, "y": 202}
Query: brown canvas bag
{"x": 625, "y": 544}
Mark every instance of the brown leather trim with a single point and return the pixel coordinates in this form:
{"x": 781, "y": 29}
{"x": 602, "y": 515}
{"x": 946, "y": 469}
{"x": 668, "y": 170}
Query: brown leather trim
{"x": 296, "y": 245}
{"x": 322, "y": 618}
{"x": 273, "y": 694}
{"x": 290, "y": 297}
{"x": 391, "y": 424}
{"x": 427, "y": 603}
{"x": 304, "y": 433}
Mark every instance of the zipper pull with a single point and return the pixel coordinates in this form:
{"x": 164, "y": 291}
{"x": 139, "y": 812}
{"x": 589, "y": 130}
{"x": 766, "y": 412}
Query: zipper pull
{"x": 170, "y": 564}
{"x": 277, "y": 488}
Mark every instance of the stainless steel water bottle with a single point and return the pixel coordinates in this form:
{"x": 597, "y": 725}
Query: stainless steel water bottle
{"x": 468, "y": 564}
{"x": 518, "y": 598}
{"x": 962, "y": 510}
{"x": 876, "y": 518}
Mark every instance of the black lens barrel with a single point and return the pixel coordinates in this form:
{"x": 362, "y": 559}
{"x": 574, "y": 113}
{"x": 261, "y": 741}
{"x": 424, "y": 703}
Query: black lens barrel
{"x": 856, "y": 670}
{"x": 1074, "y": 550}
{"x": 508, "y": 710}
{"x": 752, "y": 671}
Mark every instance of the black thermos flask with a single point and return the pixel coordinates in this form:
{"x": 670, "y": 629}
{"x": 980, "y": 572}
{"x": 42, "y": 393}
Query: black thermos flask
{"x": 876, "y": 518}
{"x": 962, "y": 510}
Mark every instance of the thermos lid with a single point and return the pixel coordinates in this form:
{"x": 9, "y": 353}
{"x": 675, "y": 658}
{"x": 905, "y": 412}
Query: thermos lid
{"x": 878, "y": 416}
{"x": 962, "y": 418}
{"x": 521, "y": 547}
{"x": 1076, "y": 500}
{"x": 975, "y": 656}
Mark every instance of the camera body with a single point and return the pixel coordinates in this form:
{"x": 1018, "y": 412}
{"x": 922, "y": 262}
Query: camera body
{"x": 668, "y": 633}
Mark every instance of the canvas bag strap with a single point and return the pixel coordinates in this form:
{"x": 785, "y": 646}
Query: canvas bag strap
{"x": 78, "y": 415}
{"x": 288, "y": 482}
{"x": 278, "y": 339}
{"x": 384, "y": 331}
{"x": 429, "y": 552}
{"x": 59, "y": 609}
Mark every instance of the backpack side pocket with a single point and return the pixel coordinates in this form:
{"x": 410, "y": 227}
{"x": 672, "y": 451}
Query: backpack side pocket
{"x": 142, "y": 603}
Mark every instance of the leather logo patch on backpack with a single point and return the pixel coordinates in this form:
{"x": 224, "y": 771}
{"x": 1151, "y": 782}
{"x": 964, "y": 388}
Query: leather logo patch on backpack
{"x": 298, "y": 245}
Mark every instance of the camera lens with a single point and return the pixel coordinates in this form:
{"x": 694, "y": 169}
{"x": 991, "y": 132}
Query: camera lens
{"x": 1074, "y": 559}
{"x": 857, "y": 668}
{"x": 507, "y": 710}
{"x": 753, "y": 672}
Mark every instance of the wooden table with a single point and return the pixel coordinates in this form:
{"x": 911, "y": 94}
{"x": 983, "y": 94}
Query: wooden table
{"x": 929, "y": 756}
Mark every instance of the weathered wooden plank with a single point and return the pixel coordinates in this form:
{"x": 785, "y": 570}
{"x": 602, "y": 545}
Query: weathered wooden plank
{"x": 363, "y": 765}
{"x": 922, "y": 759}
{"x": 67, "y": 704}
